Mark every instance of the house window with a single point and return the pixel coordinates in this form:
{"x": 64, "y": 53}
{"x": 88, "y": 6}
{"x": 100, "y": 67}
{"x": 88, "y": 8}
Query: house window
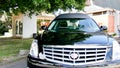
{"x": 104, "y": 12}
{"x": 19, "y": 26}
{"x": 97, "y": 13}
{"x": 111, "y": 13}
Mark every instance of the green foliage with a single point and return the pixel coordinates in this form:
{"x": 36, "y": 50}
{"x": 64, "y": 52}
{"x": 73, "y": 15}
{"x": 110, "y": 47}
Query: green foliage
{"x": 3, "y": 28}
{"x": 37, "y": 6}
{"x": 5, "y": 25}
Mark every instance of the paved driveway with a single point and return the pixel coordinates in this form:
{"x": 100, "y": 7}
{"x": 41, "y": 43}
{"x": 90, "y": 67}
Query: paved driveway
{"x": 17, "y": 64}
{"x": 22, "y": 64}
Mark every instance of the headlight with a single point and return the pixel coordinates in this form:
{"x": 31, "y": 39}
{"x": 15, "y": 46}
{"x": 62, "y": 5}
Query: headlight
{"x": 34, "y": 49}
{"x": 109, "y": 53}
{"x": 116, "y": 51}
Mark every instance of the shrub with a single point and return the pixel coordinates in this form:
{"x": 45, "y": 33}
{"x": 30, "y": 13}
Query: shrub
{"x": 3, "y": 28}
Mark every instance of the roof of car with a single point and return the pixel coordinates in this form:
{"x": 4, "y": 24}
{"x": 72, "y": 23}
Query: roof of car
{"x": 72, "y": 15}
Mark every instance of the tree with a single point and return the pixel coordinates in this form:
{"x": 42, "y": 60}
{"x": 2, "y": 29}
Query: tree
{"x": 37, "y": 6}
{"x": 3, "y": 28}
{"x": 5, "y": 25}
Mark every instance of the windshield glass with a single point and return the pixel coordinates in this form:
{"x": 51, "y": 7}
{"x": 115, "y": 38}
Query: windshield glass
{"x": 87, "y": 25}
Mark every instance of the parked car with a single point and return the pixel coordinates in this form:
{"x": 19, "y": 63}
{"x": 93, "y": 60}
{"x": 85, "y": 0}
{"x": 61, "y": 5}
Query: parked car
{"x": 73, "y": 40}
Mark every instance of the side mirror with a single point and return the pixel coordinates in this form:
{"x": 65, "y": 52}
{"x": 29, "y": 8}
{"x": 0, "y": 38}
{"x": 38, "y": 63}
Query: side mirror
{"x": 103, "y": 28}
{"x": 43, "y": 27}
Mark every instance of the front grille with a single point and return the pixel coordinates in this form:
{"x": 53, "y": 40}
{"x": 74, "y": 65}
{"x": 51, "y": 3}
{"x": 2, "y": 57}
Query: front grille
{"x": 85, "y": 54}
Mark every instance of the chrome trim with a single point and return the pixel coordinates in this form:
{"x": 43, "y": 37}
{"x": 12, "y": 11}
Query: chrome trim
{"x": 88, "y": 54}
{"x": 43, "y": 64}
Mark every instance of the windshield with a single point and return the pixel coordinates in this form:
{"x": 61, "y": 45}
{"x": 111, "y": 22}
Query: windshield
{"x": 87, "y": 25}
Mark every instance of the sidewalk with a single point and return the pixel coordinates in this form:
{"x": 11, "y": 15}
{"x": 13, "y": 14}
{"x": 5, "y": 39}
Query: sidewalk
{"x": 14, "y": 59}
{"x": 22, "y": 54}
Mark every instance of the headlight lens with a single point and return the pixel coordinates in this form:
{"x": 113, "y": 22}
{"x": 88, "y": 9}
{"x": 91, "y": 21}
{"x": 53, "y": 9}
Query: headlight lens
{"x": 109, "y": 53}
{"x": 34, "y": 49}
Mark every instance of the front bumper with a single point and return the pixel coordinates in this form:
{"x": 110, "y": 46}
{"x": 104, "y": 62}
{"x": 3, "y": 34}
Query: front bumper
{"x": 38, "y": 63}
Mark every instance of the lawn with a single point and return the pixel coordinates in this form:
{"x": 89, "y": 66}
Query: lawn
{"x": 11, "y": 47}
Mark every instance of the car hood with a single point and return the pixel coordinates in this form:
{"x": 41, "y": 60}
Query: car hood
{"x": 73, "y": 38}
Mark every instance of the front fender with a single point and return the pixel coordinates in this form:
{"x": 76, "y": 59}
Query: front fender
{"x": 116, "y": 51}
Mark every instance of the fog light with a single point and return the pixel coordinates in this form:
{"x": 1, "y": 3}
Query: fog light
{"x": 41, "y": 56}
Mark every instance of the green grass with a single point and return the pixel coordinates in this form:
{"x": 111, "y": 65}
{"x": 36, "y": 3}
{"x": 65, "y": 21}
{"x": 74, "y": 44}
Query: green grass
{"x": 11, "y": 47}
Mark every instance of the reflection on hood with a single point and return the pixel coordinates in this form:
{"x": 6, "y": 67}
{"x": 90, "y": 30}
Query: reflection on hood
{"x": 71, "y": 38}
{"x": 95, "y": 39}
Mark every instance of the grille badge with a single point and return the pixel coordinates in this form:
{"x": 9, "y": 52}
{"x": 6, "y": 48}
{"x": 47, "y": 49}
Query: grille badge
{"x": 74, "y": 55}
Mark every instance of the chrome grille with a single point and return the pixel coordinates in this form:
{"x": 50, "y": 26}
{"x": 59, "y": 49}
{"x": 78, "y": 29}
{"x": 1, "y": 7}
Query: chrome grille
{"x": 85, "y": 54}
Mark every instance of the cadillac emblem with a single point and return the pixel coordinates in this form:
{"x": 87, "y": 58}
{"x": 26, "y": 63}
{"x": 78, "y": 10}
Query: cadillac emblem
{"x": 74, "y": 55}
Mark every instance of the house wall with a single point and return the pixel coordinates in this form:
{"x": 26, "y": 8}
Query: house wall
{"x": 15, "y": 18}
{"x": 29, "y": 26}
{"x": 101, "y": 19}
{"x": 110, "y": 23}
{"x": 106, "y": 20}
{"x": 117, "y": 23}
